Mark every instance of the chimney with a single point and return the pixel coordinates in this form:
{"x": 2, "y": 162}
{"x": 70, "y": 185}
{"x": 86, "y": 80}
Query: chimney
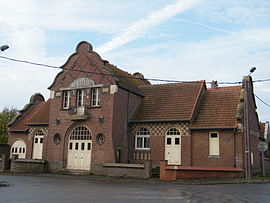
{"x": 214, "y": 84}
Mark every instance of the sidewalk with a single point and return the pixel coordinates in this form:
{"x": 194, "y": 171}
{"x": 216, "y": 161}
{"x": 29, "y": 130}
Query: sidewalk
{"x": 205, "y": 181}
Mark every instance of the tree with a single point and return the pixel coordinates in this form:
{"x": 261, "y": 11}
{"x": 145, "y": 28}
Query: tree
{"x": 5, "y": 117}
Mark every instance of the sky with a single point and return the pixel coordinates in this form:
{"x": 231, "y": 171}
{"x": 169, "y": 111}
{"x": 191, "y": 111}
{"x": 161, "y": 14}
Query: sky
{"x": 183, "y": 40}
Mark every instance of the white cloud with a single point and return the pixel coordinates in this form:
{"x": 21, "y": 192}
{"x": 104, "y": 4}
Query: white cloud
{"x": 137, "y": 29}
{"x": 223, "y": 58}
{"x": 241, "y": 12}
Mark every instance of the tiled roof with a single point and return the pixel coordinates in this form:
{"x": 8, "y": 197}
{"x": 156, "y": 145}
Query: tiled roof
{"x": 20, "y": 125}
{"x": 35, "y": 114}
{"x": 218, "y": 108}
{"x": 168, "y": 102}
{"x": 126, "y": 80}
{"x": 42, "y": 115}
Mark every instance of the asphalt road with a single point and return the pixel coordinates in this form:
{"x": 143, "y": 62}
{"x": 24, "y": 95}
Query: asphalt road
{"x": 50, "y": 189}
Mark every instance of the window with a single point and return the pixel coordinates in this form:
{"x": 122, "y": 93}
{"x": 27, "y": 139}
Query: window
{"x": 70, "y": 146}
{"x": 142, "y": 139}
{"x": 173, "y": 131}
{"x": 96, "y": 97}
{"x": 80, "y": 97}
{"x": 18, "y": 148}
{"x": 213, "y": 144}
{"x": 66, "y": 99}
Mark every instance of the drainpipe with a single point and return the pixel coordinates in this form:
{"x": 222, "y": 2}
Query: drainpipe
{"x": 128, "y": 131}
{"x": 234, "y": 147}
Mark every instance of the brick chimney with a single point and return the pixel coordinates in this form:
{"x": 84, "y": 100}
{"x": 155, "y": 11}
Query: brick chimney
{"x": 214, "y": 84}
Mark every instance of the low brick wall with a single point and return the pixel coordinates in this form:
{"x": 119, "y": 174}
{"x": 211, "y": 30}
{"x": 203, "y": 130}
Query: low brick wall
{"x": 123, "y": 170}
{"x": 179, "y": 172}
{"x": 28, "y": 165}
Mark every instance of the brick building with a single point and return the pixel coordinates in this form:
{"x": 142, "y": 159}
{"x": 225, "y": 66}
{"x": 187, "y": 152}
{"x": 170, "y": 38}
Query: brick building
{"x": 99, "y": 114}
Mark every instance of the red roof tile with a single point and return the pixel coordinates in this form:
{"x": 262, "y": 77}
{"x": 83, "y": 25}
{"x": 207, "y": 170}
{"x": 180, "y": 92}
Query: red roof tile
{"x": 20, "y": 125}
{"x": 42, "y": 115}
{"x": 219, "y": 108}
{"x": 167, "y": 102}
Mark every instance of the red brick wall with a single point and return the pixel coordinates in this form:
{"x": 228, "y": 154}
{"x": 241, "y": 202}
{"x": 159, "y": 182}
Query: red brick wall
{"x": 120, "y": 128}
{"x": 86, "y": 61}
{"x": 200, "y": 149}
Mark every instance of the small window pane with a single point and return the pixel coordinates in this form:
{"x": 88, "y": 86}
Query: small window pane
{"x": 82, "y": 146}
{"x": 146, "y": 142}
{"x": 36, "y": 140}
{"x": 76, "y": 146}
{"x": 177, "y": 140}
{"x": 89, "y": 146}
{"x": 41, "y": 140}
{"x": 16, "y": 150}
{"x": 12, "y": 150}
{"x": 139, "y": 142}
{"x": 214, "y": 135}
{"x": 169, "y": 141}
{"x": 70, "y": 146}
{"x": 23, "y": 150}
{"x": 20, "y": 150}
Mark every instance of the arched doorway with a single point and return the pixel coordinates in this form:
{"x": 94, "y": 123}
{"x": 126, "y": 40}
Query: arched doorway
{"x": 38, "y": 145}
{"x": 79, "y": 148}
{"x": 173, "y": 146}
{"x": 18, "y": 148}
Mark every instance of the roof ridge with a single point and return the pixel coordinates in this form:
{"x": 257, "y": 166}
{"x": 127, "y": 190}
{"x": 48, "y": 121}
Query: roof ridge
{"x": 175, "y": 83}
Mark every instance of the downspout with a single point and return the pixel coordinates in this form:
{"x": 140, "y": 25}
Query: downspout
{"x": 234, "y": 148}
{"x": 128, "y": 131}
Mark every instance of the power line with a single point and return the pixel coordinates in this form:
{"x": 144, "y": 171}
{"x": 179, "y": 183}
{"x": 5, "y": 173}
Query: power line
{"x": 261, "y": 100}
{"x": 123, "y": 76}
{"x": 252, "y": 92}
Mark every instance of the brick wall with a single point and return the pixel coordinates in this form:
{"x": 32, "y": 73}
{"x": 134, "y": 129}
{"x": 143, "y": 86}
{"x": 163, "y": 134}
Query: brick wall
{"x": 200, "y": 149}
{"x": 157, "y": 142}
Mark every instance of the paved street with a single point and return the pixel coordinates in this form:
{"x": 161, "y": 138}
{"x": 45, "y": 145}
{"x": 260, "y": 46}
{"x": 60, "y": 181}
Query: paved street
{"x": 77, "y": 189}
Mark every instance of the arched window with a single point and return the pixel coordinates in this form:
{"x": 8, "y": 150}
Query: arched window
{"x": 142, "y": 139}
{"x": 173, "y": 131}
{"x": 173, "y": 134}
{"x": 80, "y": 133}
{"x": 18, "y": 148}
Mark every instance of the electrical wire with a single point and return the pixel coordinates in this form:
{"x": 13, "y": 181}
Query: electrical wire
{"x": 123, "y": 76}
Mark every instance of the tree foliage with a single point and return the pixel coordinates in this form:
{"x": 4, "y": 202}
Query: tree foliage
{"x": 5, "y": 117}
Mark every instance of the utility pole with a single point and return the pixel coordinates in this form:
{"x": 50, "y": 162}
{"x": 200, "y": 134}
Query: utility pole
{"x": 247, "y": 89}
{"x": 246, "y": 129}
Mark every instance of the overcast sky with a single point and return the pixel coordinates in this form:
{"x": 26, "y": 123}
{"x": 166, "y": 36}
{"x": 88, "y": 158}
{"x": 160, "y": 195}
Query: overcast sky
{"x": 167, "y": 39}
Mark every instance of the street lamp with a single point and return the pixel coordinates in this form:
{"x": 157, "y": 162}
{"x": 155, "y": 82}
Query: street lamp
{"x": 247, "y": 83}
{"x": 4, "y": 47}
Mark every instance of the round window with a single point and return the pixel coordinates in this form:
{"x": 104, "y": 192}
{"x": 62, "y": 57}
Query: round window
{"x": 100, "y": 139}
{"x": 57, "y": 138}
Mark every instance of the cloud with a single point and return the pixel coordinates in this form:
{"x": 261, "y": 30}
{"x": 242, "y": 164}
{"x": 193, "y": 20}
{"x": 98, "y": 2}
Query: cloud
{"x": 240, "y": 12}
{"x": 137, "y": 29}
{"x": 224, "y": 58}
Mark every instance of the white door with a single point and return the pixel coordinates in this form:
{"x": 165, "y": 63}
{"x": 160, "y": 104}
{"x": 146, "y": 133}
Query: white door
{"x": 173, "y": 147}
{"x": 18, "y": 148}
{"x": 38, "y": 145}
{"x": 79, "y": 149}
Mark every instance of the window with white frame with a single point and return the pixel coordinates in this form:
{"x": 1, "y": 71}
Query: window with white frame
{"x": 95, "y": 97}
{"x": 213, "y": 144}
{"x": 142, "y": 139}
{"x": 66, "y": 99}
{"x": 79, "y": 97}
